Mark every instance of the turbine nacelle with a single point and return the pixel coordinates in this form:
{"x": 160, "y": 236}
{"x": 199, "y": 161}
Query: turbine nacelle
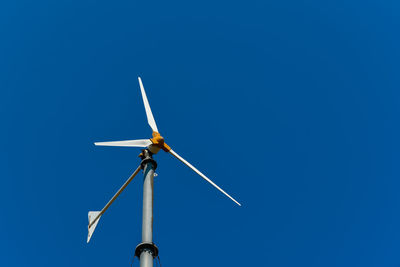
{"x": 158, "y": 143}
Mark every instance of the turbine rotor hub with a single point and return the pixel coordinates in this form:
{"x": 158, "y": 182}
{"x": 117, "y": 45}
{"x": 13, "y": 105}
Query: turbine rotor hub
{"x": 159, "y": 142}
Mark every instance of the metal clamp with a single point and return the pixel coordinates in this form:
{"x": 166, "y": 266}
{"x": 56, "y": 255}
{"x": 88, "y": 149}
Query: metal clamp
{"x": 147, "y": 157}
{"x": 149, "y": 247}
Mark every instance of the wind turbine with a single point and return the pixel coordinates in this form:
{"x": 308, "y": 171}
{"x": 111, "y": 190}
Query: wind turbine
{"x": 146, "y": 250}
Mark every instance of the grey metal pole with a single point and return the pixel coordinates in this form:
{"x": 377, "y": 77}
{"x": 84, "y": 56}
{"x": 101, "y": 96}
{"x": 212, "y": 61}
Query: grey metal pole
{"x": 146, "y": 258}
{"x": 146, "y": 251}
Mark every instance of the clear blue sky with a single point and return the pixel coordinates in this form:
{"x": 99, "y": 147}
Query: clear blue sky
{"x": 290, "y": 106}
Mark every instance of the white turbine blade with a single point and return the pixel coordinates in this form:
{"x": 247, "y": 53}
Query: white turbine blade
{"x": 127, "y": 143}
{"x": 150, "y": 118}
{"x": 94, "y": 217}
{"x": 202, "y": 175}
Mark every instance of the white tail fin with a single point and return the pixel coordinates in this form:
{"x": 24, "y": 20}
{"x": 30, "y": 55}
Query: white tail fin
{"x": 94, "y": 218}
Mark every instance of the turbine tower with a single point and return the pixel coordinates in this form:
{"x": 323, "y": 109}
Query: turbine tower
{"x": 146, "y": 251}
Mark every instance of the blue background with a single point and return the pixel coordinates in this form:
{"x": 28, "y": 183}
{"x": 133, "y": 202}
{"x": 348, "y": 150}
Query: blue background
{"x": 290, "y": 106}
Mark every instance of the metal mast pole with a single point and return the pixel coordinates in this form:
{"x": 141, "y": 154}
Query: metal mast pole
{"x": 147, "y": 250}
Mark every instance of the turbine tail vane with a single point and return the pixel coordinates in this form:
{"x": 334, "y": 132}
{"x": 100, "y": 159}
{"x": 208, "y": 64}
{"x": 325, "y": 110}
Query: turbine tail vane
{"x": 94, "y": 216}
